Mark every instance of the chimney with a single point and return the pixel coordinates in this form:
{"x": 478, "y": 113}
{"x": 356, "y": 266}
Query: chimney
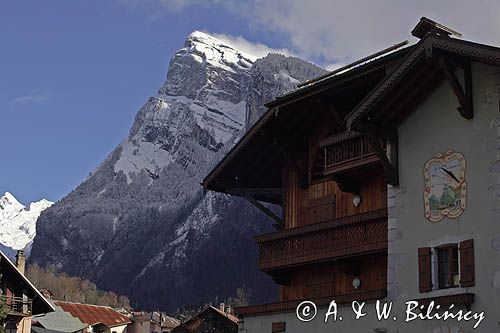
{"x": 222, "y": 307}
{"x": 20, "y": 261}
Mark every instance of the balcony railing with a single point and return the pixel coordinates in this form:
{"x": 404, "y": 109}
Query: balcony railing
{"x": 270, "y": 308}
{"x": 17, "y": 305}
{"x": 348, "y": 150}
{"x": 344, "y": 237}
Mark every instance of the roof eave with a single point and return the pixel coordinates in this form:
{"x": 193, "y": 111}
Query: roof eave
{"x": 490, "y": 54}
{"x": 302, "y": 92}
{"x": 37, "y": 292}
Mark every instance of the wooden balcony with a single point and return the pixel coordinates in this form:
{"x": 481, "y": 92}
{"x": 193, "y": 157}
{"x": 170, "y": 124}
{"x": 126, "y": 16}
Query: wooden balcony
{"x": 289, "y": 306}
{"x": 17, "y": 305}
{"x": 347, "y": 151}
{"x": 345, "y": 237}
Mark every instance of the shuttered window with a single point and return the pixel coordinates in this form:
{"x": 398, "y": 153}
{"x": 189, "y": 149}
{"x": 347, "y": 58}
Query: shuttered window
{"x": 455, "y": 266}
{"x": 424, "y": 269}
{"x": 467, "y": 278}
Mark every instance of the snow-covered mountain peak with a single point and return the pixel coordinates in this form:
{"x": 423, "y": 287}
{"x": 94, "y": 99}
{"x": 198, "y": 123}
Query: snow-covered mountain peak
{"x": 216, "y": 51}
{"x": 201, "y": 105}
{"x": 141, "y": 221}
{"x": 9, "y": 203}
{"x": 17, "y": 223}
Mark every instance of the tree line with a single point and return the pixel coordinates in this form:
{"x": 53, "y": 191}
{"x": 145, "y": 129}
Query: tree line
{"x": 72, "y": 288}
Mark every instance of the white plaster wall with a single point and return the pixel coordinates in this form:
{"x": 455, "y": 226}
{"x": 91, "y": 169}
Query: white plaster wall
{"x": 436, "y": 126}
{"x": 262, "y": 324}
{"x": 117, "y": 329}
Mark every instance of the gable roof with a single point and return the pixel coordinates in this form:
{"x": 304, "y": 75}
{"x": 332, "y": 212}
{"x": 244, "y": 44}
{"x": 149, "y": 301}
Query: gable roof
{"x": 60, "y": 320}
{"x": 424, "y": 50}
{"x": 287, "y": 115}
{"x": 94, "y": 314}
{"x": 40, "y": 303}
{"x": 198, "y": 317}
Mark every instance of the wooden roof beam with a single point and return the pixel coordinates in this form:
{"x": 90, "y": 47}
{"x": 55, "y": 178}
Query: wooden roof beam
{"x": 336, "y": 117}
{"x": 464, "y": 96}
{"x": 278, "y": 191}
{"x": 333, "y": 112}
{"x": 411, "y": 97}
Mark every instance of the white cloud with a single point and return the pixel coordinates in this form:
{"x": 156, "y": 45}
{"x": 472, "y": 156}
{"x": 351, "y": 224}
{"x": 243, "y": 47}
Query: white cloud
{"x": 258, "y": 50}
{"x": 346, "y": 30}
{"x": 33, "y": 98}
{"x": 340, "y": 31}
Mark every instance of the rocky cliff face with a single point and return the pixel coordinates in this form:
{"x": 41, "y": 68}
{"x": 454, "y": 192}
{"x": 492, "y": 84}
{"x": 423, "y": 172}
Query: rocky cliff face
{"x": 140, "y": 224}
{"x": 271, "y": 76}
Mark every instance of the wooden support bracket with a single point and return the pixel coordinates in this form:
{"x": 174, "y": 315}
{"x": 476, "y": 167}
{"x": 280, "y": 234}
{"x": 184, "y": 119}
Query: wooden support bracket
{"x": 303, "y": 179}
{"x": 337, "y": 118}
{"x": 347, "y": 184}
{"x": 390, "y": 166}
{"x": 464, "y": 96}
{"x": 278, "y": 221}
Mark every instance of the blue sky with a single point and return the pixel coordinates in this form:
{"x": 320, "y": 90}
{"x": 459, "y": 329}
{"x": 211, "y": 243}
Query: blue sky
{"x": 74, "y": 73}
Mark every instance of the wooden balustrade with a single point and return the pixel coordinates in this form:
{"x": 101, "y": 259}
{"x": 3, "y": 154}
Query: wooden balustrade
{"x": 347, "y": 151}
{"x": 17, "y": 305}
{"x": 344, "y": 237}
{"x": 261, "y": 309}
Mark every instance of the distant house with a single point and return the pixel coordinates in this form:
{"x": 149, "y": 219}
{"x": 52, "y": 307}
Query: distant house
{"x": 21, "y": 297}
{"x": 58, "y": 321}
{"x": 153, "y": 322}
{"x": 98, "y": 319}
{"x": 210, "y": 320}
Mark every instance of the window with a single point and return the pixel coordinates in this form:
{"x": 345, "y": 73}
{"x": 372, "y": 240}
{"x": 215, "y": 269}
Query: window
{"x": 446, "y": 266}
{"x": 448, "y": 276}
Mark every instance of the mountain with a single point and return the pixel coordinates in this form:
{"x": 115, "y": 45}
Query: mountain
{"x": 141, "y": 224}
{"x": 17, "y": 223}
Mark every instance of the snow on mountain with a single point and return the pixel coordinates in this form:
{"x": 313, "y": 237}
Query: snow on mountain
{"x": 205, "y": 89}
{"x": 141, "y": 224}
{"x": 17, "y": 222}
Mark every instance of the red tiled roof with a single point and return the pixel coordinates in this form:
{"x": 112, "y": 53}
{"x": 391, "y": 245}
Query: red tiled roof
{"x": 94, "y": 314}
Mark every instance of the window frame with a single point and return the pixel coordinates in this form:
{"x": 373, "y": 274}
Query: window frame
{"x": 450, "y": 247}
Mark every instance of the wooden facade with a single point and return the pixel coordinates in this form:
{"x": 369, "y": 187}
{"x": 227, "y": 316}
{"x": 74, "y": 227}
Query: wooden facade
{"x": 331, "y": 185}
{"x": 325, "y": 201}
{"x": 328, "y": 241}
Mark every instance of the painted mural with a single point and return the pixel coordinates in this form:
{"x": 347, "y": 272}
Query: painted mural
{"x": 445, "y": 186}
